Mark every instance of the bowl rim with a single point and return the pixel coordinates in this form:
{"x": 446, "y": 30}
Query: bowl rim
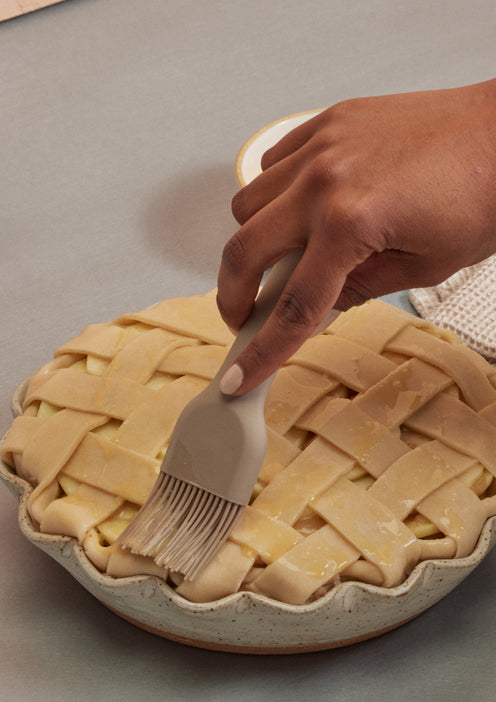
{"x": 238, "y": 163}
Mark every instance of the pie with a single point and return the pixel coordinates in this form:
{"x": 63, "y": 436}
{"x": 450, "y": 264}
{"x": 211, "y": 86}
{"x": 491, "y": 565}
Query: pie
{"x": 381, "y": 447}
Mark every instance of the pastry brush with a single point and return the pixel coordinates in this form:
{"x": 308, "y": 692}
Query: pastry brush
{"x": 212, "y": 461}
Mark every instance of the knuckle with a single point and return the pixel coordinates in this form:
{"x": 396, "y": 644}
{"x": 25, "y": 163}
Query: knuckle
{"x": 258, "y": 354}
{"x": 297, "y": 311}
{"x": 323, "y": 171}
{"x": 352, "y": 214}
{"x": 343, "y": 109}
{"x": 358, "y": 220}
{"x": 234, "y": 255}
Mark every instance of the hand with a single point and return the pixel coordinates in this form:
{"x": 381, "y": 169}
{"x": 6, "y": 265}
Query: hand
{"x": 383, "y": 194}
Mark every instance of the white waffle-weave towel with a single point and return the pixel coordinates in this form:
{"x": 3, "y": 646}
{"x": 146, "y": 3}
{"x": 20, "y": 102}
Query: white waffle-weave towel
{"x": 465, "y": 303}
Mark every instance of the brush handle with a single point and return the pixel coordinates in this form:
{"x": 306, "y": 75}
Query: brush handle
{"x": 242, "y": 418}
{"x": 219, "y": 441}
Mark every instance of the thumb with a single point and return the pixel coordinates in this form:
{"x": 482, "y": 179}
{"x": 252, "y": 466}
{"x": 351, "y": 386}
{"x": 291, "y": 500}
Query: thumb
{"x": 387, "y": 272}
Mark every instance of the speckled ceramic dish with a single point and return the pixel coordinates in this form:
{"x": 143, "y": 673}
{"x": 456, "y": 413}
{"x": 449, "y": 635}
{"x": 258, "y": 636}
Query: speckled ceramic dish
{"x": 246, "y": 622}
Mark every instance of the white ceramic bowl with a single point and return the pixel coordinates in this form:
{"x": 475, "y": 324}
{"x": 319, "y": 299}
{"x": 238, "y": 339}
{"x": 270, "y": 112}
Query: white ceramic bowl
{"x": 246, "y": 622}
{"x": 247, "y": 164}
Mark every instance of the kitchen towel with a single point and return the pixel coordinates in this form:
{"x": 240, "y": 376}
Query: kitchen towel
{"x": 465, "y": 303}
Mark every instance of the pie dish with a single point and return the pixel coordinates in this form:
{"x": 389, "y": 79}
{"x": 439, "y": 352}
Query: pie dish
{"x": 376, "y": 497}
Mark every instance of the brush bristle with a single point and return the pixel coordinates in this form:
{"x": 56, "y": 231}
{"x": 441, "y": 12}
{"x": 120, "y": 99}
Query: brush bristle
{"x": 181, "y": 526}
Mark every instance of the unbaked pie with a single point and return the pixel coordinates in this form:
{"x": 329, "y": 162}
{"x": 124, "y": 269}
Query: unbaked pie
{"x": 381, "y": 447}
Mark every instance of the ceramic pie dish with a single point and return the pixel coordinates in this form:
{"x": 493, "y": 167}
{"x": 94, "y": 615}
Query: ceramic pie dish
{"x": 376, "y": 499}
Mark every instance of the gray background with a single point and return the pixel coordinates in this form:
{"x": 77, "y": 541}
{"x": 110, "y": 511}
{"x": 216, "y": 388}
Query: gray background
{"x": 119, "y": 125}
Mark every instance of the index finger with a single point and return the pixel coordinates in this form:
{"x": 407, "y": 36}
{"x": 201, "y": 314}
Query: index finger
{"x": 304, "y": 304}
{"x": 292, "y": 141}
{"x": 270, "y": 233}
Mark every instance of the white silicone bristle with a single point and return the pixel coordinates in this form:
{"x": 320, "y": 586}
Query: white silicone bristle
{"x": 181, "y": 526}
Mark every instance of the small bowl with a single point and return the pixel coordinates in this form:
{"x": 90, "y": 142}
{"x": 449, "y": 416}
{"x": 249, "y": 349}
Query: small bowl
{"x": 247, "y": 165}
{"x": 249, "y": 623}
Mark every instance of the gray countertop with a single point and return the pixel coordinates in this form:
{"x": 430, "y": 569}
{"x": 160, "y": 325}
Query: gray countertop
{"x": 119, "y": 125}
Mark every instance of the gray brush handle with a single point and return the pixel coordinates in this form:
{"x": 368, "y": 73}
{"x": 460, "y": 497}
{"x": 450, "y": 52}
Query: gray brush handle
{"x": 220, "y": 441}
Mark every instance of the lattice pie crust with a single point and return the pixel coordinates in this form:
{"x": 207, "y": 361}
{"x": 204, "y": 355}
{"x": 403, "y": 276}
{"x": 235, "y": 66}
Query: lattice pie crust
{"x": 382, "y": 447}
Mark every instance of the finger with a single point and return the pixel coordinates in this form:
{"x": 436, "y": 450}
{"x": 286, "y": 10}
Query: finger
{"x": 264, "y": 239}
{"x": 292, "y": 141}
{"x": 281, "y": 165}
{"x": 305, "y": 302}
{"x": 272, "y": 183}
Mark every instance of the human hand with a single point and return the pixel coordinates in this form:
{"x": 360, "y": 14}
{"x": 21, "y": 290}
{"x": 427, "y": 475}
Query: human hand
{"x": 382, "y": 193}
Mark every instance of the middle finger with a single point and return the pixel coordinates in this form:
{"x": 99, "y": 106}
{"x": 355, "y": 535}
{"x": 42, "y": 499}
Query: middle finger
{"x": 274, "y": 181}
